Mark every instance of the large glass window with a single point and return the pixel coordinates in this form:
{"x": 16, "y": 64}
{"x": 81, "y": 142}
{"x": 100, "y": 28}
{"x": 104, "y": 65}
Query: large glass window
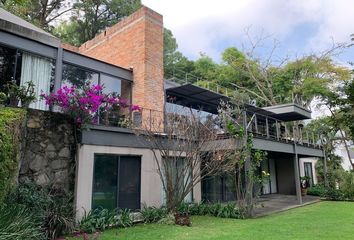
{"x": 116, "y": 182}
{"x": 73, "y": 75}
{"x": 21, "y": 68}
{"x": 218, "y": 189}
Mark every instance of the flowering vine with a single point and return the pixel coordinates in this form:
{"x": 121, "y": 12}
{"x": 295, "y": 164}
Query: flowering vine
{"x": 87, "y": 103}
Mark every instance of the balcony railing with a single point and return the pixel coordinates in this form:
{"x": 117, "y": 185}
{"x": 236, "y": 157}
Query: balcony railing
{"x": 259, "y": 125}
{"x": 266, "y": 127}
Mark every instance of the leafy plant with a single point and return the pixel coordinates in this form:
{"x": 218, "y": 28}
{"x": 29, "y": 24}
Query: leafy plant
{"x": 169, "y": 219}
{"x": 317, "y": 190}
{"x": 84, "y": 103}
{"x": 101, "y": 219}
{"x": 24, "y": 94}
{"x": 3, "y": 98}
{"x": 226, "y": 210}
{"x": 17, "y": 223}
{"x": 10, "y": 131}
{"x": 51, "y": 207}
{"x": 153, "y": 214}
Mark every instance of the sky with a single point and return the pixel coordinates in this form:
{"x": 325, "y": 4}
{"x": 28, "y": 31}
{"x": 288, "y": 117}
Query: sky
{"x": 299, "y": 26}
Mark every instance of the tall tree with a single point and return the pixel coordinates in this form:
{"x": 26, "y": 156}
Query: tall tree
{"x": 176, "y": 66}
{"x": 91, "y": 17}
{"x": 39, "y": 12}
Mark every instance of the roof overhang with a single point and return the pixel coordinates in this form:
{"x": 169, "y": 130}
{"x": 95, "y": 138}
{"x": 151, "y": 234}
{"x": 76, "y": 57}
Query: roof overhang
{"x": 289, "y": 112}
{"x": 192, "y": 96}
{"x": 16, "y": 25}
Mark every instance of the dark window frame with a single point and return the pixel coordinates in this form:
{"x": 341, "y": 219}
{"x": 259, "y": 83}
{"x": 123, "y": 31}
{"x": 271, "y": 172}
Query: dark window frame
{"x": 117, "y": 158}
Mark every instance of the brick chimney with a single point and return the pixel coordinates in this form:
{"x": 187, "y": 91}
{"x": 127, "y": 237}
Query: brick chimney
{"x": 135, "y": 42}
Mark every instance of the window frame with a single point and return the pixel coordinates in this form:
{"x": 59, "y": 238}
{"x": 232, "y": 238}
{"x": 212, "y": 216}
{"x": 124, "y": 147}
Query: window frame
{"x": 117, "y": 158}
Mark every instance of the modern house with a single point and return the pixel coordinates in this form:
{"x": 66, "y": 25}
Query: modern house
{"x": 114, "y": 168}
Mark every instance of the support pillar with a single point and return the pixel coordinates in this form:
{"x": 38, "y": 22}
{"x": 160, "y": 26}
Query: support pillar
{"x": 325, "y": 167}
{"x": 297, "y": 176}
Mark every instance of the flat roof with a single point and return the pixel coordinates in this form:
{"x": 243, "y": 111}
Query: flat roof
{"x": 289, "y": 112}
{"x": 14, "y": 24}
{"x": 192, "y": 96}
{"x": 200, "y": 98}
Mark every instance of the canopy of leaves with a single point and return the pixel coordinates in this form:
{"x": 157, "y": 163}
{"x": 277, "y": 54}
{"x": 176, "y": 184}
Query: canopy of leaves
{"x": 91, "y": 17}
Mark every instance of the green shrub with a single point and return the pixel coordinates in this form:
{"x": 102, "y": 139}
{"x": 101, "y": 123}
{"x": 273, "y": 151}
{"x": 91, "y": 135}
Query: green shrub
{"x": 153, "y": 214}
{"x": 347, "y": 185}
{"x": 223, "y": 210}
{"x": 51, "y": 207}
{"x": 101, "y": 219}
{"x": 317, "y": 190}
{"x": 17, "y": 223}
{"x": 10, "y": 129}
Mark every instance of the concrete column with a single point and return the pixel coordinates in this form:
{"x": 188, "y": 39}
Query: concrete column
{"x": 297, "y": 176}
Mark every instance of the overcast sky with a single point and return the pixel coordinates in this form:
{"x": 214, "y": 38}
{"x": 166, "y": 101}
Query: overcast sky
{"x": 300, "y": 26}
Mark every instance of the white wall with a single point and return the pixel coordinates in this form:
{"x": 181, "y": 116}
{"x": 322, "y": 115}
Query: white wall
{"x": 151, "y": 185}
{"x": 341, "y": 151}
{"x": 150, "y": 181}
{"x": 302, "y": 170}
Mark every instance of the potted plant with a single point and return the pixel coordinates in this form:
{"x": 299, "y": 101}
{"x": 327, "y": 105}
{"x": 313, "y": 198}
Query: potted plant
{"x": 304, "y": 183}
{"x": 21, "y": 94}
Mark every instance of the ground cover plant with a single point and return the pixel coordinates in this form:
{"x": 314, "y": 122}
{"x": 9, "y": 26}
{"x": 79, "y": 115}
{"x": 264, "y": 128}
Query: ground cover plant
{"x": 324, "y": 220}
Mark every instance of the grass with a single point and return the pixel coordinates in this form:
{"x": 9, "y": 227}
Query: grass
{"x": 324, "y": 220}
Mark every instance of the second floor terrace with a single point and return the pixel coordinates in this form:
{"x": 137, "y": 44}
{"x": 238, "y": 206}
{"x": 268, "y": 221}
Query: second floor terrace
{"x": 276, "y": 128}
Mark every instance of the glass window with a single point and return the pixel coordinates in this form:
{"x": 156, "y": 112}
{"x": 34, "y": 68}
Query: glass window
{"x": 40, "y": 71}
{"x": 116, "y": 182}
{"x": 21, "y": 68}
{"x": 105, "y": 182}
{"x": 114, "y": 84}
{"x": 7, "y": 66}
{"x": 77, "y": 76}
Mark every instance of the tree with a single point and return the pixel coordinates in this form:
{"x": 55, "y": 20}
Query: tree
{"x": 247, "y": 182}
{"x": 39, "y": 12}
{"x": 176, "y": 66}
{"x": 92, "y": 17}
{"x": 186, "y": 149}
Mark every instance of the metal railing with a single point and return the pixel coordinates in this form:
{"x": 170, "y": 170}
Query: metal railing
{"x": 266, "y": 127}
{"x": 261, "y": 126}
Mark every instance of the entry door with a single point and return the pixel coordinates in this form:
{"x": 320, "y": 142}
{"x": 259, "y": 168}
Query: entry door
{"x": 116, "y": 182}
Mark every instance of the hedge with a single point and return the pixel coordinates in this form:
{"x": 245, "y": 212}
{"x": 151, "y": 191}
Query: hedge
{"x": 11, "y": 120}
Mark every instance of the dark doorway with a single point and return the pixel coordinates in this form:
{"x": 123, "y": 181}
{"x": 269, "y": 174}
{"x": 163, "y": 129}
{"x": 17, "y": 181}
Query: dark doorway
{"x": 285, "y": 174}
{"x": 116, "y": 182}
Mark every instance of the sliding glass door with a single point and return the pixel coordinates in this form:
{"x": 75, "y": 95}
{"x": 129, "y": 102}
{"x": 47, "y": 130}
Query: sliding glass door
{"x": 116, "y": 182}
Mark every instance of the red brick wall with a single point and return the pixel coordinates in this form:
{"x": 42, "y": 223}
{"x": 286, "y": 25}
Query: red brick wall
{"x": 135, "y": 42}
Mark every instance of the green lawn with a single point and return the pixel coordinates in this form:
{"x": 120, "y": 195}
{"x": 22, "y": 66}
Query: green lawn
{"x": 324, "y": 220}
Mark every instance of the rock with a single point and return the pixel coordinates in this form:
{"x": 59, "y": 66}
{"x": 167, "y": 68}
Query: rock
{"x": 51, "y": 155}
{"x": 58, "y": 164}
{"x": 32, "y": 123}
{"x": 61, "y": 176}
{"x": 50, "y": 148}
{"x": 64, "y": 152}
{"x": 24, "y": 167}
{"x": 42, "y": 179}
{"x": 37, "y": 163}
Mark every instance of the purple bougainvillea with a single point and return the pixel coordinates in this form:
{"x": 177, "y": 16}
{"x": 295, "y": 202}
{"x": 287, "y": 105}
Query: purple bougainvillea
{"x": 83, "y": 104}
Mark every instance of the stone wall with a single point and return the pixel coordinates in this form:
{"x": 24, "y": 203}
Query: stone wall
{"x": 49, "y": 150}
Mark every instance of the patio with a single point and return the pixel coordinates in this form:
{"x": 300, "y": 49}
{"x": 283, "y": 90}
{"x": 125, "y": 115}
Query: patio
{"x": 272, "y": 203}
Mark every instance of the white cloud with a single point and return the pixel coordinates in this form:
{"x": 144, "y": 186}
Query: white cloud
{"x": 209, "y": 26}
